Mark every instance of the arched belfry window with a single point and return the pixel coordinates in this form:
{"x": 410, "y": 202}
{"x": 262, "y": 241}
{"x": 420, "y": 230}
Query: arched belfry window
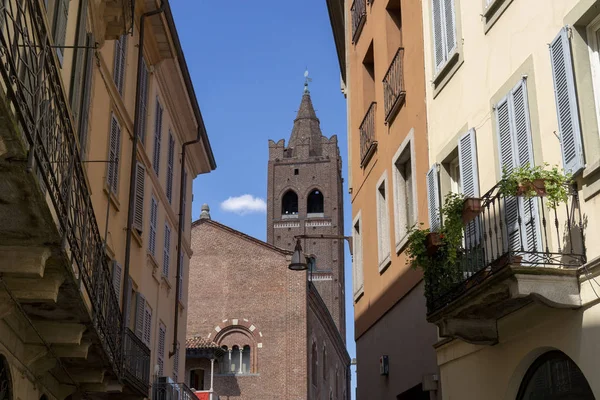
{"x": 554, "y": 376}
{"x": 5, "y": 380}
{"x": 289, "y": 203}
{"x": 314, "y": 204}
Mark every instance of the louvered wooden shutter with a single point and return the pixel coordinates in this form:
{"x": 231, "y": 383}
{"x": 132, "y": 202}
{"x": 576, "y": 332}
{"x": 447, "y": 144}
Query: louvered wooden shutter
{"x": 167, "y": 251}
{"x": 60, "y": 27}
{"x": 433, "y": 198}
{"x": 77, "y": 76}
{"x": 127, "y": 308}
{"x": 87, "y": 97}
{"x": 116, "y": 276}
{"x": 469, "y": 181}
{"x": 139, "y": 315}
{"x": 147, "y": 324}
{"x": 117, "y": 64}
{"x": 162, "y": 334}
{"x": 157, "y": 137}
{"x": 180, "y": 272}
{"x": 113, "y": 155}
{"x": 566, "y": 103}
{"x": 176, "y": 364}
{"x": 138, "y": 206}
{"x": 143, "y": 102}
{"x": 438, "y": 35}
{"x": 153, "y": 217}
{"x": 184, "y": 193}
{"x": 170, "y": 162}
{"x": 450, "y": 26}
{"x": 120, "y": 63}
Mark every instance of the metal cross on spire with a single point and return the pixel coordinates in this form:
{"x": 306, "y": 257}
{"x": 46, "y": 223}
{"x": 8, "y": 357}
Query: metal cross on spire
{"x": 306, "y": 81}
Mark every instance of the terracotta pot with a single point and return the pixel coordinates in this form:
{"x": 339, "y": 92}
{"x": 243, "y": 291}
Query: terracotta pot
{"x": 538, "y": 186}
{"x": 471, "y": 209}
{"x": 506, "y": 260}
{"x": 433, "y": 241}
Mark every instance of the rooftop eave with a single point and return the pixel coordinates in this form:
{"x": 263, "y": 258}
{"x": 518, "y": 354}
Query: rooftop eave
{"x": 336, "y": 19}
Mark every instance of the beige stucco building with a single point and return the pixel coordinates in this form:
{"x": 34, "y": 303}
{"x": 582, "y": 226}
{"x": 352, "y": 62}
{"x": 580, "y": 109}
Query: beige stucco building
{"x": 74, "y": 322}
{"x": 510, "y": 83}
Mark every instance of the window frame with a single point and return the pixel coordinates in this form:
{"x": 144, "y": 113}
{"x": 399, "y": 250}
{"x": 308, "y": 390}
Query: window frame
{"x": 441, "y": 75}
{"x": 384, "y": 257}
{"x": 400, "y": 232}
{"x": 357, "y": 258}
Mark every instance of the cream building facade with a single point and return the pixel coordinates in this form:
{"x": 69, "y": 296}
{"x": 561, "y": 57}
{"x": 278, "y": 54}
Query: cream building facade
{"x": 70, "y": 91}
{"x": 509, "y": 83}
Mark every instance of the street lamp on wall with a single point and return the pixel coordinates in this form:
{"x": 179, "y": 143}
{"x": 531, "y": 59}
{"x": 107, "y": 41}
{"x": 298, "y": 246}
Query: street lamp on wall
{"x": 299, "y": 260}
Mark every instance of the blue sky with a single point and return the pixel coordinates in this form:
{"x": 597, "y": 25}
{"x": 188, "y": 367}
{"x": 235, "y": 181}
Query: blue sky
{"x": 247, "y": 61}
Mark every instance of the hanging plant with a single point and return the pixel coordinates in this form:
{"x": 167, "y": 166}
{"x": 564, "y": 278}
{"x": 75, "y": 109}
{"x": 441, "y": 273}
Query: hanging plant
{"x": 537, "y": 181}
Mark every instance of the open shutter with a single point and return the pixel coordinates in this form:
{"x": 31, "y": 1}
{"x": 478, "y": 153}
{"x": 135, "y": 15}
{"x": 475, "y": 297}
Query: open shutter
{"x": 87, "y": 96}
{"x": 162, "y": 334}
{"x": 116, "y": 276}
{"x": 60, "y": 27}
{"x": 566, "y": 103}
{"x": 147, "y": 324}
{"x": 119, "y": 67}
{"x": 167, "y": 251}
{"x": 170, "y": 162}
{"x": 127, "y": 307}
{"x": 143, "y": 102}
{"x": 449, "y": 26}
{"x": 77, "y": 76}
{"x": 180, "y": 272}
{"x": 469, "y": 181}
{"x": 438, "y": 35}
{"x": 157, "y": 137}
{"x": 138, "y": 205}
{"x": 176, "y": 364}
{"x": 139, "y": 315}
{"x": 433, "y": 198}
{"x": 184, "y": 193}
{"x": 153, "y": 217}
{"x": 113, "y": 155}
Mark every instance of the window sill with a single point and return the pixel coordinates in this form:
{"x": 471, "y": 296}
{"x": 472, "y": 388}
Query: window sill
{"x": 138, "y": 238}
{"x": 238, "y": 374}
{"x": 315, "y": 215}
{"x": 442, "y": 77}
{"x": 401, "y": 244}
{"x": 165, "y": 281}
{"x": 359, "y": 294}
{"x": 387, "y": 261}
{"x": 492, "y": 13}
{"x": 289, "y": 216}
{"x": 113, "y": 198}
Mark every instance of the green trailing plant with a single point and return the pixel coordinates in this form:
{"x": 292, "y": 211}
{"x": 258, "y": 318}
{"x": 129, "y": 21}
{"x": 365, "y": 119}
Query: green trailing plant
{"x": 538, "y": 180}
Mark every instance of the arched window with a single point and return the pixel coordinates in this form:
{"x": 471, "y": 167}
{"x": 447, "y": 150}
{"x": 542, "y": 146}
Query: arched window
{"x": 314, "y": 204}
{"x": 246, "y": 360}
{"x": 5, "y": 380}
{"x": 289, "y": 203}
{"x": 314, "y": 364}
{"x": 224, "y": 360}
{"x": 324, "y": 364}
{"x": 554, "y": 376}
{"x": 235, "y": 360}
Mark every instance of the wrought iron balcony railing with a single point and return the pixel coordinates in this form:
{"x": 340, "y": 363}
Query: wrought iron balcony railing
{"x": 393, "y": 86}
{"x": 35, "y": 100}
{"x": 164, "y": 389}
{"x": 136, "y": 362}
{"x": 368, "y": 144}
{"x": 359, "y": 17}
{"x": 516, "y": 231}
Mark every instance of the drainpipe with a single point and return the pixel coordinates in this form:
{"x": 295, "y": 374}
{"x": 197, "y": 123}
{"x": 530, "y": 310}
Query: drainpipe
{"x": 179, "y": 237}
{"x": 132, "y": 175}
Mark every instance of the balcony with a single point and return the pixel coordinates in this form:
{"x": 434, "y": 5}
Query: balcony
{"x": 136, "y": 363}
{"x": 516, "y": 251}
{"x": 166, "y": 389}
{"x": 55, "y": 273}
{"x": 393, "y": 86}
{"x": 359, "y": 17}
{"x": 368, "y": 144}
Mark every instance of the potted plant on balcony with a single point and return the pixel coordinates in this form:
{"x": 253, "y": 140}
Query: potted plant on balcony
{"x": 536, "y": 181}
{"x": 471, "y": 209}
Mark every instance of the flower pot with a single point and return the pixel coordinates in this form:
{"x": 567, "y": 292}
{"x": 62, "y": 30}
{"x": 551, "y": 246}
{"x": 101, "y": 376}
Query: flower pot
{"x": 433, "y": 241}
{"x": 471, "y": 209}
{"x": 537, "y": 185}
{"x": 505, "y": 260}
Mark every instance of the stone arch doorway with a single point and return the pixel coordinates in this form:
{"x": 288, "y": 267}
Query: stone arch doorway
{"x": 554, "y": 376}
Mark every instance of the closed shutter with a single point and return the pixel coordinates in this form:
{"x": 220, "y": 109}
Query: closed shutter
{"x": 157, "y": 137}
{"x": 153, "y": 217}
{"x": 433, "y": 198}
{"x": 119, "y": 67}
{"x": 449, "y": 26}
{"x": 116, "y": 276}
{"x": 184, "y": 193}
{"x": 176, "y": 364}
{"x": 181, "y": 276}
{"x": 87, "y": 97}
{"x": 127, "y": 307}
{"x": 113, "y": 155}
{"x": 469, "y": 181}
{"x": 167, "y": 251}
{"x": 566, "y": 103}
{"x": 143, "y": 103}
{"x": 438, "y": 35}
{"x": 138, "y": 205}
{"x": 139, "y": 315}
{"x": 170, "y": 161}
{"x": 162, "y": 334}
{"x": 60, "y": 27}
{"x": 147, "y": 324}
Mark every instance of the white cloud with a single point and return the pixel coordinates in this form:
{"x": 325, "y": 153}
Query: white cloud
{"x": 244, "y": 204}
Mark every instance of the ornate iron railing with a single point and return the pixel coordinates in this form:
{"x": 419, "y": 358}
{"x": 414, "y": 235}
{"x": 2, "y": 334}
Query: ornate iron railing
{"x": 512, "y": 230}
{"x": 359, "y": 17}
{"x": 34, "y": 95}
{"x": 172, "y": 391}
{"x": 368, "y": 144}
{"x": 393, "y": 86}
{"x": 136, "y": 362}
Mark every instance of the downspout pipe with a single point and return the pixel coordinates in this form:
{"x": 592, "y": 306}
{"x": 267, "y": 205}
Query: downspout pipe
{"x": 132, "y": 174}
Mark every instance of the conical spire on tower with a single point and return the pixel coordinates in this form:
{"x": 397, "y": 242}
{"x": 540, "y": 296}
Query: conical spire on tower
{"x": 306, "y": 125}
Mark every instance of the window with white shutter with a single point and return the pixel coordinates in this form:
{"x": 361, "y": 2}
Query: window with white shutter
{"x": 403, "y": 187}
{"x": 114, "y": 152}
{"x": 176, "y": 364}
{"x": 143, "y": 104}
{"x": 157, "y": 137}
{"x": 153, "y": 218}
{"x": 181, "y": 266}
{"x": 184, "y": 193}
{"x": 566, "y": 103}
{"x": 60, "y": 27}
{"x": 515, "y": 148}
{"x": 469, "y": 181}
{"x": 357, "y": 258}
{"x": 433, "y": 198}
{"x": 162, "y": 335}
{"x": 444, "y": 31}
{"x": 147, "y": 324}
{"x": 140, "y": 308}
{"x": 383, "y": 223}
{"x": 167, "y": 251}
{"x": 116, "y": 276}
{"x": 170, "y": 161}
{"x": 120, "y": 64}
{"x": 138, "y": 205}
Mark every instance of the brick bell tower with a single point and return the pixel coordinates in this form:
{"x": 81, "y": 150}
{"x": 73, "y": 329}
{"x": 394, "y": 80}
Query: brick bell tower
{"x": 304, "y": 196}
